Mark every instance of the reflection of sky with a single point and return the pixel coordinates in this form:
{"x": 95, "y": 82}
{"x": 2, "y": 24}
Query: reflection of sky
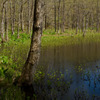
{"x": 67, "y": 57}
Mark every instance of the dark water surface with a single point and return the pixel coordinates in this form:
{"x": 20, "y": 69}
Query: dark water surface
{"x": 82, "y": 62}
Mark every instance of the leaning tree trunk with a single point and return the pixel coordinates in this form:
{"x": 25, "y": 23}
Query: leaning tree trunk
{"x": 28, "y": 72}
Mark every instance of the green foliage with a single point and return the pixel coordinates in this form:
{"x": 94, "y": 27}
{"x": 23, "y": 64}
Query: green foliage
{"x": 1, "y": 72}
{"x": 49, "y": 32}
{"x": 78, "y": 68}
{"x": 4, "y": 60}
{"x": 12, "y": 93}
{"x": 9, "y": 73}
{"x": 22, "y": 38}
{"x": 39, "y": 76}
{"x": 7, "y": 68}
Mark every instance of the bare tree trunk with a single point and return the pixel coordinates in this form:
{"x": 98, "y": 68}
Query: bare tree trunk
{"x": 18, "y": 24}
{"x": 45, "y": 21}
{"x": 63, "y": 25}
{"x": 55, "y": 15}
{"x": 45, "y": 15}
{"x": 28, "y": 16}
{"x": 77, "y": 24}
{"x": 28, "y": 72}
{"x": 13, "y": 21}
{"x": 97, "y": 21}
{"x": 92, "y": 22}
{"x": 83, "y": 25}
{"x": 73, "y": 14}
{"x": 86, "y": 25}
{"x": 31, "y": 15}
{"x": 2, "y": 24}
{"x": 21, "y": 16}
{"x": 77, "y": 19}
{"x": 58, "y": 16}
{"x": 6, "y": 22}
{"x": 12, "y": 15}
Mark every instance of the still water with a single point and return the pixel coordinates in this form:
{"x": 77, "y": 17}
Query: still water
{"x": 82, "y": 62}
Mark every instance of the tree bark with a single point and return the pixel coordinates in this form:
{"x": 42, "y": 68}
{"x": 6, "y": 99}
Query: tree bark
{"x": 55, "y": 15}
{"x": 77, "y": 19}
{"x": 12, "y": 15}
{"x": 31, "y": 15}
{"x": 18, "y": 23}
{"x": 2, "y": 24}
{"x": 97, "y": 21}
{"x": 63, "y": 25}
{"x": 21, "y": 16}
{"x": 59, "y": 16}
{"x": 28, "y": 16}
{"x": 6, "y": 22}
{"x": 28, "y": 72}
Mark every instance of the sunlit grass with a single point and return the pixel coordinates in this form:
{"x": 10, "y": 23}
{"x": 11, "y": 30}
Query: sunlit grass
{"x": 59, "y": 40}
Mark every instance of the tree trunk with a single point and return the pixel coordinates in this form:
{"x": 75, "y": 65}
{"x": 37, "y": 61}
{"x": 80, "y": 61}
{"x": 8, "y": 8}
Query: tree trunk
{"x": 86, "y": 25}
{"x": 63, "y": 25}
{"x": 31, "y": 15}
{"x": 28, "y": 16}
{"x": 77, "y": 24}
{"x": 12, "y": 16}
{"x": 2, "y": 24}
{"x": 21, "y": 16}
{"x": 59, "y": 16}
{"x": 28, "y": 72}
{"x": 55, "y": 14}
{"x": 45, "y": 21}
{"x": 13, "y": 21}
{"x": 6, "y": 22}
{"x": 97, "y": 21}
{"x": 77, "y": 19}
{"x": 18, "y": 24}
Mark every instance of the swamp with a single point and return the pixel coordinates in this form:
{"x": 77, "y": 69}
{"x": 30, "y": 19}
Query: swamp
{"x": 50, "y": 50}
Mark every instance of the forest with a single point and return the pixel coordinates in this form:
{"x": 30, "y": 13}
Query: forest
{"x": 49, "y": 49}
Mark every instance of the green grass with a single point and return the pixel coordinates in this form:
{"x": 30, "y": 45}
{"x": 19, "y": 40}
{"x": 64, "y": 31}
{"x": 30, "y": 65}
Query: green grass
{"x": 59, "y": 40}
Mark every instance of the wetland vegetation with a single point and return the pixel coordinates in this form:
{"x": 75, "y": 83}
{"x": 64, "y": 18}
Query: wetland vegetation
{"x": 65, "y": 67}
{"x": 49, "y": 50}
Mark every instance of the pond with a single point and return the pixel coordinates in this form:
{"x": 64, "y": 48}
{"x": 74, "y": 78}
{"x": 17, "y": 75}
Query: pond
{"x": 82, "y": 62}
{"x": 69, "y": 72}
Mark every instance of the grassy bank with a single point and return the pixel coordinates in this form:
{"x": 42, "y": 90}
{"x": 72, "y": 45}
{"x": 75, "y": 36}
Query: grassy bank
{"x": 54, "y": 39}
{"x": 58, "y": 40}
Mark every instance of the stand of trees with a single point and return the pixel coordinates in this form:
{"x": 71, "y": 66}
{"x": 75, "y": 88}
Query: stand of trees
{"x": 17, "y": 15}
